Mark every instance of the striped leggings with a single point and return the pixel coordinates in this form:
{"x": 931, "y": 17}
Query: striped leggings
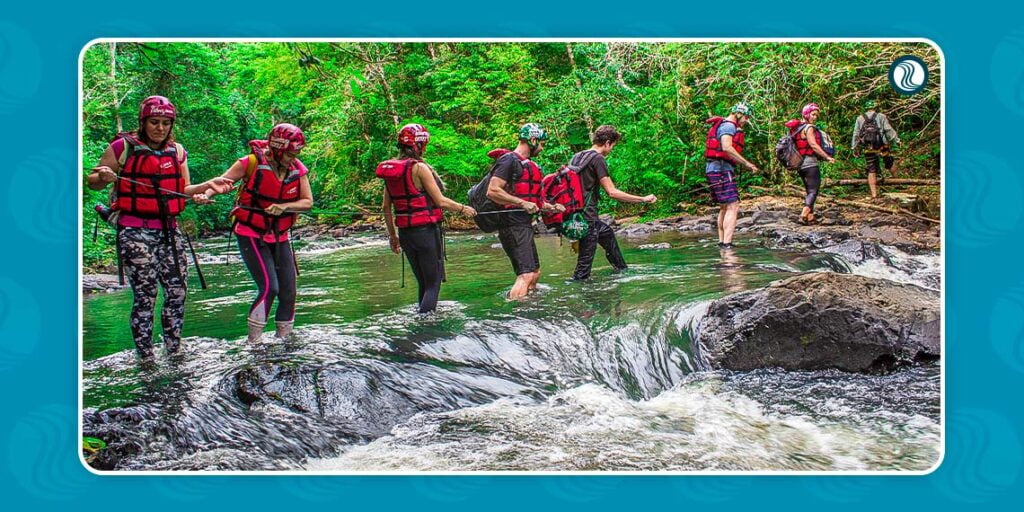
{"x": 272, "y": 266}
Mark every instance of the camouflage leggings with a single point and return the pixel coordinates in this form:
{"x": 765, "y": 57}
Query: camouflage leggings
{"x": 148, "y": 260}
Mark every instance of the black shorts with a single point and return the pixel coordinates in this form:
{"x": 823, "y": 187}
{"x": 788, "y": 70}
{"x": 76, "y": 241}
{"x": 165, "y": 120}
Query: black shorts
{"x": 517, "y": 240}
{"x": 872, "y": 161}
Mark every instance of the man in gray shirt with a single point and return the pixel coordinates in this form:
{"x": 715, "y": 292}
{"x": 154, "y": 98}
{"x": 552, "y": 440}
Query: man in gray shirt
{"x": 876, "y": 141}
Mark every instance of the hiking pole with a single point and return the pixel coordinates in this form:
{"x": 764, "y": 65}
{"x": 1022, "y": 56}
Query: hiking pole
{"x": 195, "y": 259}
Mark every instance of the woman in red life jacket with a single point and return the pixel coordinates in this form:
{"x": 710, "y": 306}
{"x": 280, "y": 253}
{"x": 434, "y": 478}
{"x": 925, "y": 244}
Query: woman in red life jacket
{"x": 809, "y": 143}
{"x": 275, "y": 187}
{"x": 151, "y": 171}
{"x": 415, "y": 192}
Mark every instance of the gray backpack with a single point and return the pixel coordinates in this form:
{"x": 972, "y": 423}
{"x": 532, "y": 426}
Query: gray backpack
{"x": 786, "y": 152}
{"x": 870, "y": 135}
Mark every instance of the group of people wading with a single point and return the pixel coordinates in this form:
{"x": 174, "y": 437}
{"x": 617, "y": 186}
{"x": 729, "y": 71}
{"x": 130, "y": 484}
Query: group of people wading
{"x": 150, "y": 174}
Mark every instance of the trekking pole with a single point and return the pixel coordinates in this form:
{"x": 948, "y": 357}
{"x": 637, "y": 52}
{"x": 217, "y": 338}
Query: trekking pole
{"x": 195, "y": 259}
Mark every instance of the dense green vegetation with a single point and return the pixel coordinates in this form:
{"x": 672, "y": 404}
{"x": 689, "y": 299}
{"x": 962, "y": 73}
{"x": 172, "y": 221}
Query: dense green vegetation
{"x": 351, "y": 97}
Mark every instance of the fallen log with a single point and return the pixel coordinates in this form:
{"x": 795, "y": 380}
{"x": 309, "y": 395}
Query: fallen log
{"x": 881, "y": 181}
{"x": 893, "y": 210}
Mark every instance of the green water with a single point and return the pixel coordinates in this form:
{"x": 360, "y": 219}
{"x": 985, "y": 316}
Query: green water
{"x": 348, "y": 284}
{"x": 594, "y": 375}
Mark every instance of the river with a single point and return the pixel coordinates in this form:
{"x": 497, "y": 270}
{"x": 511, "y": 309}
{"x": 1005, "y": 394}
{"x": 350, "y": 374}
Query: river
{"x": 583, "y": 376}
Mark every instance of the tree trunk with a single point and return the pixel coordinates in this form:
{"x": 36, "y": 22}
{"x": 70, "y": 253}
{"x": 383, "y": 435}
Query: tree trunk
{"x": 113, "y": 87}
{"x": 579, "y": 85}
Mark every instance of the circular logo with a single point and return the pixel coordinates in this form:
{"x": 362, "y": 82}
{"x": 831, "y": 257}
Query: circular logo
{"x": 908, "y": 75}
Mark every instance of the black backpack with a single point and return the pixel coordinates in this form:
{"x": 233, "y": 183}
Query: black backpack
{"x": 870, "y": 134}
{"x": 786, "y": 152}
{"x": 491, "y": 222}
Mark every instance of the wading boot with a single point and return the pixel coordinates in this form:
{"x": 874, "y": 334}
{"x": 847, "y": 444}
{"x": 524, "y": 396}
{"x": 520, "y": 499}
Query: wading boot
{"x": 255, "y": 330}
{"x": 284, "y": 329}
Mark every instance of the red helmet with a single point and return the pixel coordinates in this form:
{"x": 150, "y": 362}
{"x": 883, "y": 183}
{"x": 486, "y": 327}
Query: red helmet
{"x": 413, "y": 135}
{"x": 156, "y": 106}
{"x": 286, "y": 137}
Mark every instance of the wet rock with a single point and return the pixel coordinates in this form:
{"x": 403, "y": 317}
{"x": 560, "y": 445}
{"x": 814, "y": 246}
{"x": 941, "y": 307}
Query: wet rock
{"x": 820, "y": 321}
{"x": 366, "y": 398}
{"x": 761, "y": 217}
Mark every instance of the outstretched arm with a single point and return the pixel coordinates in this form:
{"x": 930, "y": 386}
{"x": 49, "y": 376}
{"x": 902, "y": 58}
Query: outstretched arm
{"x": 613, "y": 192}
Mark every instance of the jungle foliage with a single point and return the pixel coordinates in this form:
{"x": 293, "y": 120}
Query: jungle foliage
{"x": 350, "y": 98}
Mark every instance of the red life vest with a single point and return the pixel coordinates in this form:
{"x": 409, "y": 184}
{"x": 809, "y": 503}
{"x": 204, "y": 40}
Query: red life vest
{"x": 263, "y": 188}
{"x": 713, "y": 146}
{"x": 529, "y": 184}
{"x": 412, "y": 206}
{"x": 147, "y": 167}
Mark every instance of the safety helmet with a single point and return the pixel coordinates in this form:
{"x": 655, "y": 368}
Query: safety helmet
{"x": 413, "y": 134}
{"x": 742, "y": 108}
{"x": 286, "y": 138}
{"x": 532, "y": 131}
{"x": 808, "y": 108}
{"x": 156, "y": 106}
{"x": 870, "y": 104}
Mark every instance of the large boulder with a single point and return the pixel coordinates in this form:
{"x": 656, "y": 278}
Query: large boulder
{"x": 819, "y": 321}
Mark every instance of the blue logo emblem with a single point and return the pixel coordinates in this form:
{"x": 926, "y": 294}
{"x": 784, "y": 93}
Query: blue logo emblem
{"x": 908, "y": 75}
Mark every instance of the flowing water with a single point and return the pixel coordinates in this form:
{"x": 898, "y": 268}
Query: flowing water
{"x": 593, "y": 376}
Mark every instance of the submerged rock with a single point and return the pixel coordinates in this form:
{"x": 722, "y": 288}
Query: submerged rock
{"x": 655, "y": 247}
{"x": 819, "y": 321}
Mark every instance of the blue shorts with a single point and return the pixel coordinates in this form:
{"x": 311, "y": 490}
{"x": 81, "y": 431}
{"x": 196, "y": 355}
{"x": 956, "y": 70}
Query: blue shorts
{"x": 721, "y": 184}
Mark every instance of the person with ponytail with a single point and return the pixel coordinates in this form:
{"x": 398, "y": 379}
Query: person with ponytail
{"x": 413, "y": 202}
{"x": 275, "y": 188}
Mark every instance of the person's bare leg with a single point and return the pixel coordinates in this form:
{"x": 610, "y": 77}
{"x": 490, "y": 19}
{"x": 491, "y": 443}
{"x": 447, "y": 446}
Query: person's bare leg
{"x": 805, "y": 213}
{"x": 534, "y": 279}
{"x": 732, "y": 210}
{"x": 521, "y": 286}
{"x": 873, "y": 184}
{"x": 721, "y": 223}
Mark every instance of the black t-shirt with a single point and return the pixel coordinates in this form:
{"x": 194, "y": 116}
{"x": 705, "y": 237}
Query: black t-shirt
{"x": 590, "y": 179}
{"x": 509, "y": 168}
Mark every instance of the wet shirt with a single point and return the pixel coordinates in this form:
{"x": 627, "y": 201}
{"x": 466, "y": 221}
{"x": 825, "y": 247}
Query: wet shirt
{"x": 590, "y": 179}
{"x": 509, "y": 170}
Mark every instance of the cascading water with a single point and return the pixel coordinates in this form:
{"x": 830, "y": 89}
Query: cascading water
{"x": 599, "y": 375}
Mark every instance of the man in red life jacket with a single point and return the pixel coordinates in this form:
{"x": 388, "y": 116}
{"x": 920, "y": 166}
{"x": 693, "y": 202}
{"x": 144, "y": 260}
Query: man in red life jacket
{"x": 723, "y": 150}
{"x": 516, "y": 184}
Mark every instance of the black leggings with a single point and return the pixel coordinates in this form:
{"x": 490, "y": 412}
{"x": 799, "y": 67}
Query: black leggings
{"x": 422, "y": 246}
{"x": 273, "y": 268}
{"x": 812, "y": 182}
{"x": 603, "y": 235}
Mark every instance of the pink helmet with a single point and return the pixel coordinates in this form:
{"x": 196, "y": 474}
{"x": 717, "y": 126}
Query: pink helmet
{"x": 413, "y": 134}
{"x": 808, "y": 108}
{"x": 156, "y": 106}
{"x": 286, "y": 137}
